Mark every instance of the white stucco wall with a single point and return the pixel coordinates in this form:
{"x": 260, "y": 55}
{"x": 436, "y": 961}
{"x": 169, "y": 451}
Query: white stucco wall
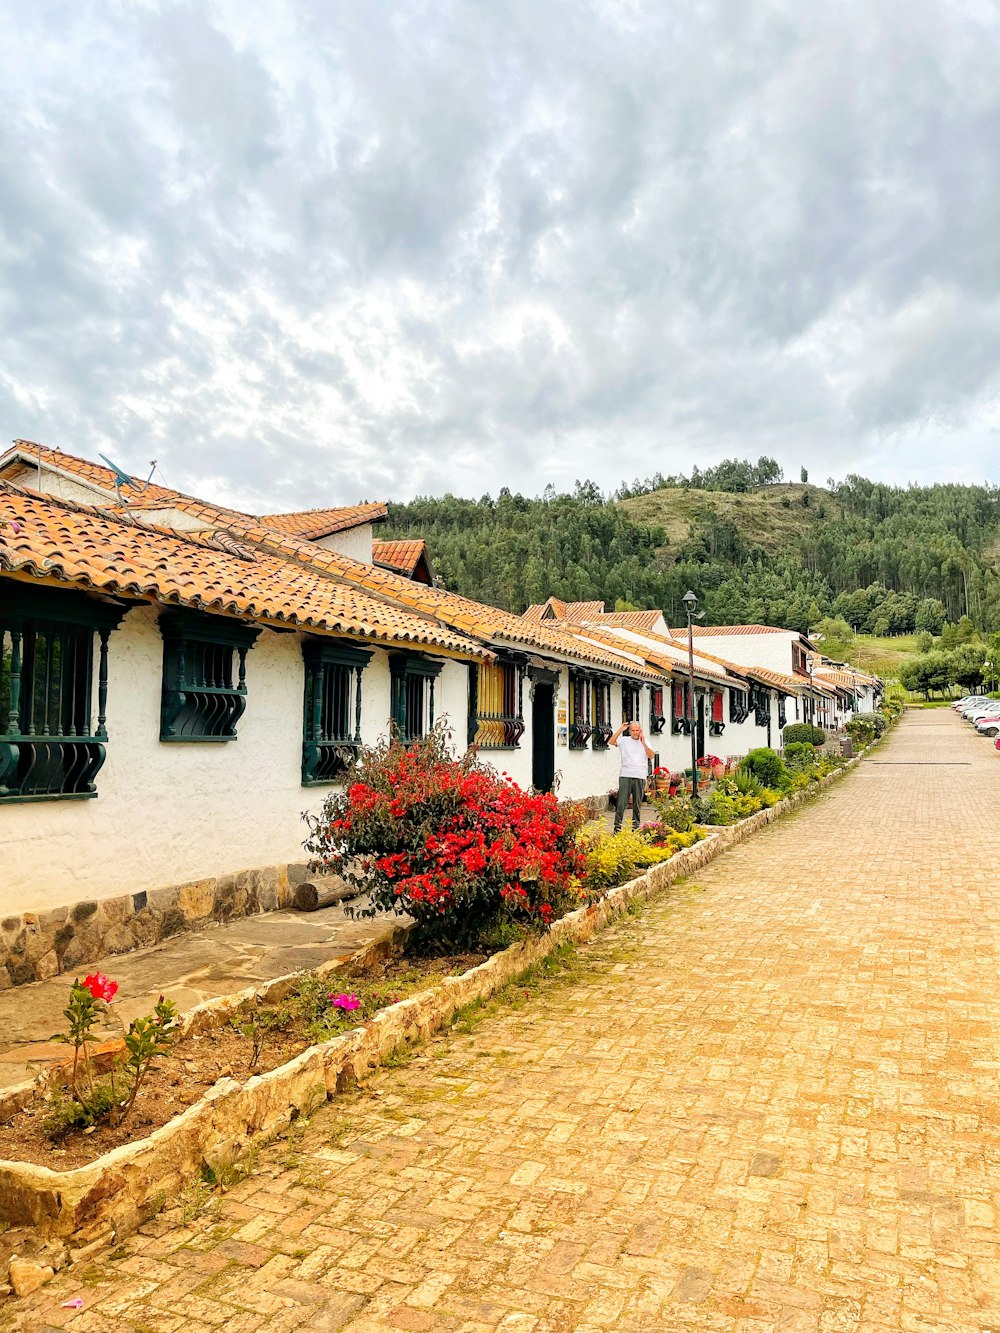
{"x": 355, "y": 542}
{"x": 773, "y": 651}
{"x": 169, "y": 813}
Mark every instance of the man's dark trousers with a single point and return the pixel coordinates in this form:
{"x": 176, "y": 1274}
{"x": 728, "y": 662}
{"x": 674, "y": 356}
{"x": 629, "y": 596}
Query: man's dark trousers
{"x": 629, "y": 789}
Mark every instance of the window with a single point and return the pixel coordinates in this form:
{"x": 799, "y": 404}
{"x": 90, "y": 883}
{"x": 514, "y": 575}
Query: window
{"x": 630, "y": 702}
{"x": 412, "y": 695}
{"x": 717, "y": 725}
{"x": 782, "y": 716}
{"x": 331, "y": 725}
{"x": 580, "y": 728}
{"x": 496, "y": 712}
{"x": 601, "y": 713}
{"x": 49, "y": 748}
{"x": 681, "y": 720}
{"x": 199, "y": 700}
{"x": 657, "y": 717}
{"x": 739, "y": 705}
{"x": 760, "y": 702}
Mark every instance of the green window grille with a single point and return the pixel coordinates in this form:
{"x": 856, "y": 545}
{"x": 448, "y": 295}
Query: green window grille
{"x": 496, "y": 705}
{"x": 49, "y": 749}
{"x": 412, "y": 695}
{"x": 331, "y": 727}
{"x": 760, "y": 702}
{"x": 580, "y": 723}
{"x": 739, "y": 705}
{"x": 601, "y": 713}
{"x": 630, "y": 702}
{"x": 203, "y": 695}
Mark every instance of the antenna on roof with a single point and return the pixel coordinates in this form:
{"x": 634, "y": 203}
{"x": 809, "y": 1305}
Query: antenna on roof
{"x": 123, "y": 479}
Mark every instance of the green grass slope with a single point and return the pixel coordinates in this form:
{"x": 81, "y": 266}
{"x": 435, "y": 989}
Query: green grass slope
{"x": 775, "y": 518}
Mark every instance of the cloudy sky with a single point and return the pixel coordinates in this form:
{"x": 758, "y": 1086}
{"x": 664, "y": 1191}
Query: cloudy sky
{"x": 325, "y": 250}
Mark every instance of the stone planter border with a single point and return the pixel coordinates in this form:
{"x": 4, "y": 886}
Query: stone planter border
{"x": 88, "y": 1206}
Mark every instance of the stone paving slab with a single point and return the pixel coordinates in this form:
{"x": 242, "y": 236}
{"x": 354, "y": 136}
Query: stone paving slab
{"x": 767, "y": 1105}
{"x": 195, "y": 966}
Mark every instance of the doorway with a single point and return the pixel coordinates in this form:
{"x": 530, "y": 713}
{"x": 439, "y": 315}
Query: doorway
{"x": 543, "y": 735}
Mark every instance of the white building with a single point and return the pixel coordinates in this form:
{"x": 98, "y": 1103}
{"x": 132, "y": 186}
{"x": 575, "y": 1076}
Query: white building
{"x": 179, "y": 682}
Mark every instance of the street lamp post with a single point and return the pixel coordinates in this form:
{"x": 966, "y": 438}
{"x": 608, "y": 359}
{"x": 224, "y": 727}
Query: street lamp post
{"x": 690, "y": 602}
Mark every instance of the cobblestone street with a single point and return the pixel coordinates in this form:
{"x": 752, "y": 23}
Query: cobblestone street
{"x": 767, "y": 1103}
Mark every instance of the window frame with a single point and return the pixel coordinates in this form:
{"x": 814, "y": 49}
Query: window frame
{"x": 631, "y": 701}
{"x": 603, "y": 730}
{"x": 75, "y": 753}
{"x": 325, "y": 757}
{"x": 580, "y": 721}
{"x": 657, "y": 720}
{"x": 187, "y": 637}
{"x": 404, "y": 670}
{"x": 489, "y": 729}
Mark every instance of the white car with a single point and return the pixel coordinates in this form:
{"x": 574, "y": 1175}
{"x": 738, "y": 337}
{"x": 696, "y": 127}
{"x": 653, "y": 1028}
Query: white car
{"x": 989, "y": 725}
{"x": 981, "y": 706}
{"x": 977, "y": 714}
{"x": 959, "y": 704}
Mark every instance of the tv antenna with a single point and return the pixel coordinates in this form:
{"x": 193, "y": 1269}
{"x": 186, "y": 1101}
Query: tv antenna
{"x": 123, "y": 479}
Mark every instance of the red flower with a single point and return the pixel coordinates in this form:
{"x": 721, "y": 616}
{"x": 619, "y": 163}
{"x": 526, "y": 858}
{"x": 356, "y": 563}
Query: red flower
{"x": 100, "y": 986}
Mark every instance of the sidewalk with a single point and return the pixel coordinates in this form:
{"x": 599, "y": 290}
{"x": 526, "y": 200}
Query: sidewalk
{"x": 766, "y": 1105}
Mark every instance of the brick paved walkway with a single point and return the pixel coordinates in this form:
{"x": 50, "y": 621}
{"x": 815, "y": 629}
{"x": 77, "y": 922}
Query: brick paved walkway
{"x": 768, "y": 1104}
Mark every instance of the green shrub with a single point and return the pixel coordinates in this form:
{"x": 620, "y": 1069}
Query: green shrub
{"x": 875, "y": 720}
{"x": 612, "y": 858}
{"x": 799, "y": 755}
{"x": 766, "y": 766}
{"x": 802, "y": 733}
{"x": 676, "y": 811}
{"x": 861, "y": 730}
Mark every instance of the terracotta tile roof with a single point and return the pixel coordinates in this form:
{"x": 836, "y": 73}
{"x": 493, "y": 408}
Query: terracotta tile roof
{"x": 453, "y": 619}
{"x": 315, "y": 523}
{"x": 562, "y": 610}
{"x": 705, "y": 630}
{"x": 780, "y": 681}
{"x": 853, "y": 679}
{"x": 310, "y": 523}
{"x": 659, "y": 651}
{"x": 122, "y": 556}
{"x": 140, "y": 499}
{"x": 638, "y": 620}
{"x": 488, "y": 623}
{"x": 400, "y": 556}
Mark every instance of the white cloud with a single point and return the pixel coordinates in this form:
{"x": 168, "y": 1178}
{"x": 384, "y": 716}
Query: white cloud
{"x": 340, "y": 251}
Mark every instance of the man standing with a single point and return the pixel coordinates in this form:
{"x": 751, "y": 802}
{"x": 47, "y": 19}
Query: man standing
{"x": 632, "y": 779}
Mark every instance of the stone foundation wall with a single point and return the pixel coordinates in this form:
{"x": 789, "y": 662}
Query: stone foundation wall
{"x": 38, "y": 945}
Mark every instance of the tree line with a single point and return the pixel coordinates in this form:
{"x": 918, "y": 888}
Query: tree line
{"x": 887, "y": 560}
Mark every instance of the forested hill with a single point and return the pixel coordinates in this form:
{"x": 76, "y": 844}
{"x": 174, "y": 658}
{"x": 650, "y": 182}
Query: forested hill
{"x": 887, "y": 559}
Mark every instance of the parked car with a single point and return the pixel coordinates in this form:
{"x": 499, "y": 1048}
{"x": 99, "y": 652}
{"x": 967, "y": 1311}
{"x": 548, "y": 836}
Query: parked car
{"x": 965, "y": 701}
{"x": 989, "y": 726}
{"x": 981, "y": 709}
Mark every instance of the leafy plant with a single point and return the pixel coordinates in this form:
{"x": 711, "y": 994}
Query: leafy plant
{"x": 766, "y": 766}
{"x": 258, "y": 1025}
{"x": 87, "y": 1000}
{"x": 802, "y": 733}
{"x": 677, "y": 812}
{"x": 799, "y": 755}
{"x": 452, "y": 843}
{"x": 148, "y": 1039}
{"x": 861, "y": 730}
{"x": 612, "y": 858}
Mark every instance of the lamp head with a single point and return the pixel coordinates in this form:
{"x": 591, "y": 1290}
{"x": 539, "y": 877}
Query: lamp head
{"x": 690, "y": 600}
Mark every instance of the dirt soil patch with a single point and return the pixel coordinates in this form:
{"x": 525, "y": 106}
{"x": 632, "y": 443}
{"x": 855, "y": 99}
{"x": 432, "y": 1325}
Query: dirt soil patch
{"x": 198, "y": 1061}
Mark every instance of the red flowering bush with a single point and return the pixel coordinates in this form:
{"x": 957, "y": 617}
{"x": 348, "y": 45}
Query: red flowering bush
{"x": 454, "y": 844}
